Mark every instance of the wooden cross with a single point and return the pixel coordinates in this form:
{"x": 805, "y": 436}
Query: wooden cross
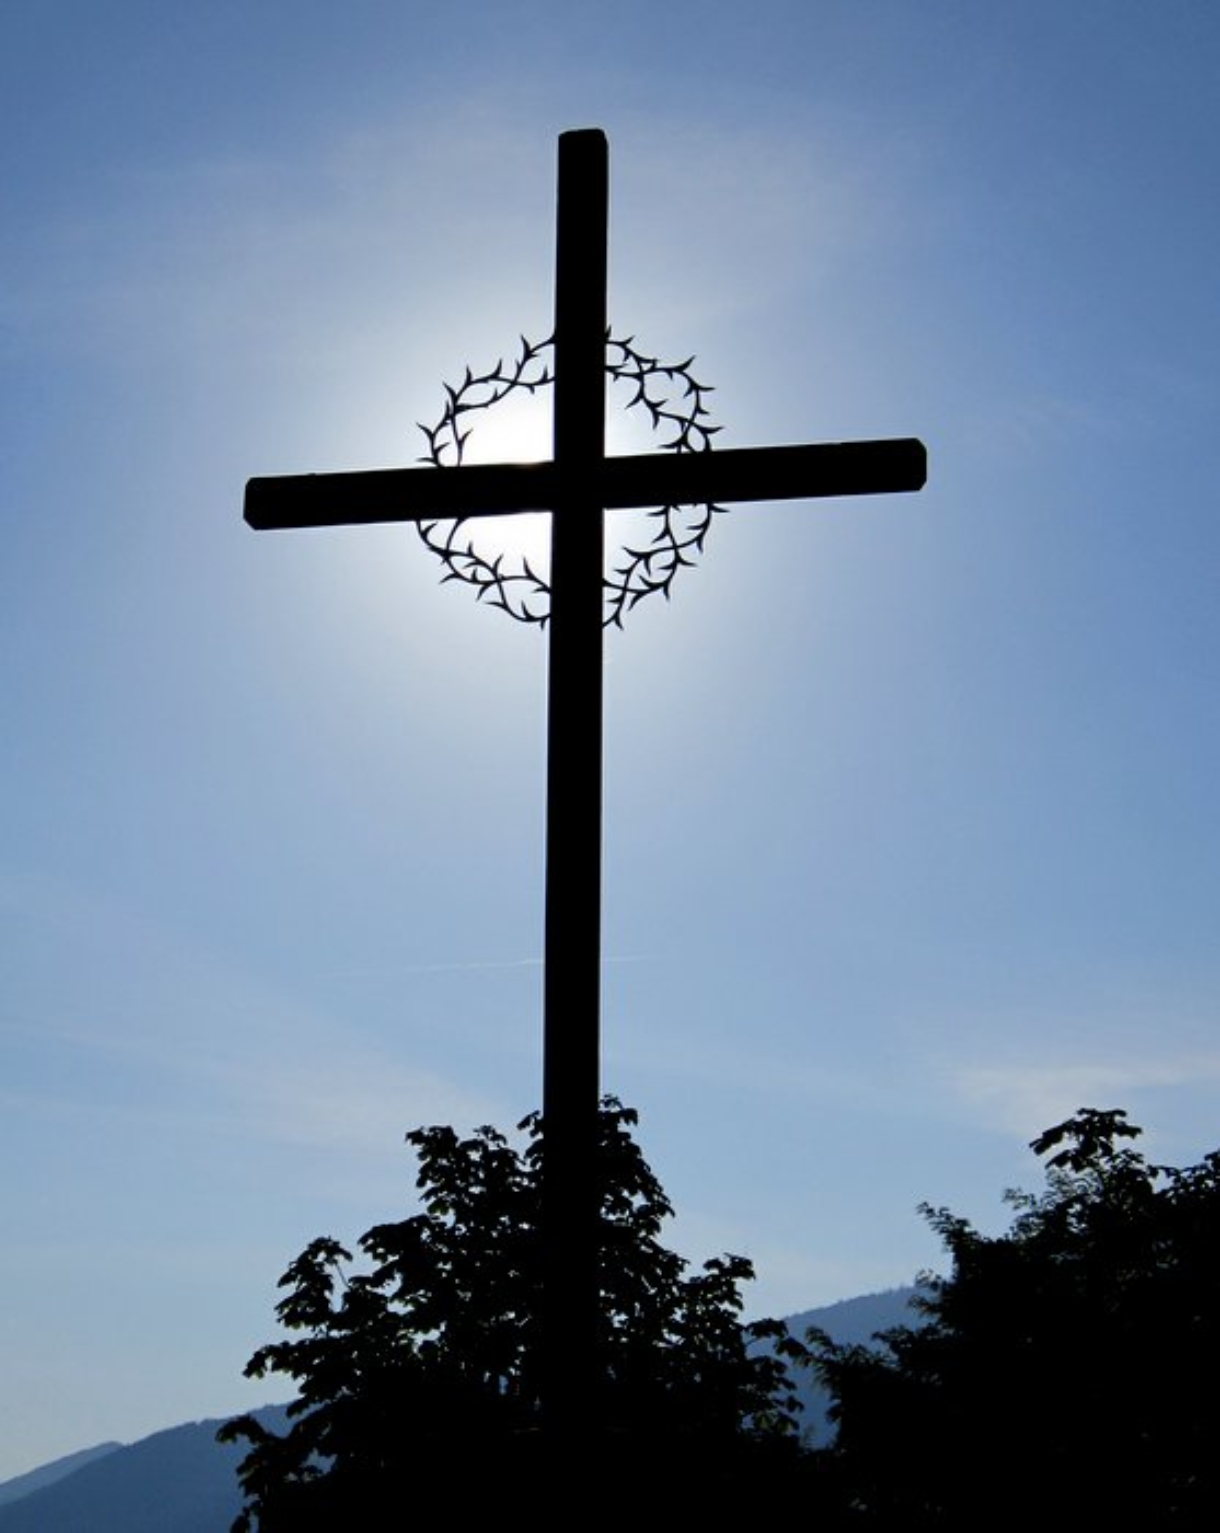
{"x": 577, "y": 487}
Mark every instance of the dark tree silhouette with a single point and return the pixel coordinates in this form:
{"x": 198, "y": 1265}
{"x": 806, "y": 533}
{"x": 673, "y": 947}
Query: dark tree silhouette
{"x": 419, "y": 1369}
{"x": 1066, "y": 1372}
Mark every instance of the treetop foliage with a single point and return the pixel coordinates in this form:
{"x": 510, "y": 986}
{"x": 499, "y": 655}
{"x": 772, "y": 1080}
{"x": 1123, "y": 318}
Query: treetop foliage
{"x": 422, "y": 1361}
{"x": 1062, "y": 1373}
{"x": 1065, "y": 1369}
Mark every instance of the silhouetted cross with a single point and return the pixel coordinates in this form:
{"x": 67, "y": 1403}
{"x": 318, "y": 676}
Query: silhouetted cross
{"x": 577, "y": 487}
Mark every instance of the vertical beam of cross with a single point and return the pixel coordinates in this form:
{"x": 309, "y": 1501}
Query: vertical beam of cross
{"x": 572, "y": 984}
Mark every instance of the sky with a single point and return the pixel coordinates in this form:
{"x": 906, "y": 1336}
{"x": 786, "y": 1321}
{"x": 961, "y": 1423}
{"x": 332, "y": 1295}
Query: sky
{"x": 912, "y": 815}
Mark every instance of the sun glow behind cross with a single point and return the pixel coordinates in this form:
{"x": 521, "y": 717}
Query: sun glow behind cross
{"x": 518, "y": 429}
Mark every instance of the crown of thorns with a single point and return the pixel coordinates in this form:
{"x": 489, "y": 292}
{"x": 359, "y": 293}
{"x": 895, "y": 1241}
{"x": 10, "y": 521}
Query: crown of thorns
{"x": 673, "y": 402}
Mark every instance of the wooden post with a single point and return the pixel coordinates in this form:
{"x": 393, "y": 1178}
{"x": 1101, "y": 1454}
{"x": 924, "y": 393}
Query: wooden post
{"x": 572, "y": 985}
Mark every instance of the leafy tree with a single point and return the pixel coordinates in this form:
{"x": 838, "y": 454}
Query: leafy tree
{"x": 1066, "y": 1371}
{"x": 421, "y": 1365}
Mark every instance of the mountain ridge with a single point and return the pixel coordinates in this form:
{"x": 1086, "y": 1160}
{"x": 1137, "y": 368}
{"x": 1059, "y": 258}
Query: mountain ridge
{"x": 181, "y": 1480}
{"x": 26, "y": 1484}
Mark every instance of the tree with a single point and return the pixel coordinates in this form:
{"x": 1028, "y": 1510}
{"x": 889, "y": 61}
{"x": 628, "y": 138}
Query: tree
{"x": 1066, "y": 1370}
{"x": 422, "y": 1365}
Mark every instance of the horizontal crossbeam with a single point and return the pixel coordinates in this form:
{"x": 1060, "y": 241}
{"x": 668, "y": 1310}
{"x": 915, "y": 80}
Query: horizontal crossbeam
{"x": 644, "y": 479}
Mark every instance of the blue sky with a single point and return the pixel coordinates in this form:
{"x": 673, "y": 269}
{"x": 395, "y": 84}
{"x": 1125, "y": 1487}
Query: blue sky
{"x": 911, "y": 804}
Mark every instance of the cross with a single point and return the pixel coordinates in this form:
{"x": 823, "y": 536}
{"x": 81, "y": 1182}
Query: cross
{"x": 577, "y": 487}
